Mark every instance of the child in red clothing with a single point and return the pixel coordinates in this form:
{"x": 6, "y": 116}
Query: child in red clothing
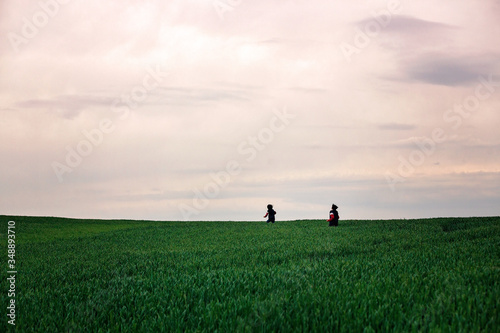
{"x": 270, "y": 212}
{"x": 334, "y": 217}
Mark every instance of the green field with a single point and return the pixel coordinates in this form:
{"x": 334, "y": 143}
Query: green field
{"x": 364, "y": 276}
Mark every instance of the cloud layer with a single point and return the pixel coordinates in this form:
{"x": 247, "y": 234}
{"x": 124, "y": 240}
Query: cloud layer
{"x": 183, "y": 110}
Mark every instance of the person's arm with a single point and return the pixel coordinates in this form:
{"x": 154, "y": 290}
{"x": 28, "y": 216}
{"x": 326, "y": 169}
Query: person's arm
{"x": 332, "y": 217}
{"x": 266, "y": 214}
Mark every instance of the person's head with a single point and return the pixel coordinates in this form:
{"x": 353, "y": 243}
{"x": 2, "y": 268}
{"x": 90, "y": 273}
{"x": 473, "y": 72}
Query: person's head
{"x": 334, "y": 206}
{"x": 269, "y": 206}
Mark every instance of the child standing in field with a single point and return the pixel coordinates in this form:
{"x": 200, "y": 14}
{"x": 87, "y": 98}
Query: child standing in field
{"x": 270, "y": 212}
{"x": 334, "y": 217}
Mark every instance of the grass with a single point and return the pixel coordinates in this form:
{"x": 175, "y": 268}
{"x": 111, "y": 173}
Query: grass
{"x": 364, "y": 276}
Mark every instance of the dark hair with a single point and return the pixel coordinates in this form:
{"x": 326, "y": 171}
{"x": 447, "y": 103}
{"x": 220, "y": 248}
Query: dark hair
{"x": 269, "y": 206}
{"x": 334, "y": 206}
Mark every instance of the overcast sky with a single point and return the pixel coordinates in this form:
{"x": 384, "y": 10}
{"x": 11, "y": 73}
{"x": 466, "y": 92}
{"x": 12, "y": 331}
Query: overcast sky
{"x": 210, "y": 110}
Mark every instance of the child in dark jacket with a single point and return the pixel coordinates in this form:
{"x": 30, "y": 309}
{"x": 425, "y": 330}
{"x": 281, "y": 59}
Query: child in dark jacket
{"x": 270, "y": 213}
{"x": 334, "y": 217}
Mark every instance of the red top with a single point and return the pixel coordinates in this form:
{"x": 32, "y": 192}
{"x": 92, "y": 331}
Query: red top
{"x": 332, "y": 216}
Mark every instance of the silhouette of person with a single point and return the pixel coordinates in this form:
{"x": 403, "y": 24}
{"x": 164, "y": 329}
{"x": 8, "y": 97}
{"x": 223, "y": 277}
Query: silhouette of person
{"x": 334, "y": 217}
{"x": 270, "y": 212}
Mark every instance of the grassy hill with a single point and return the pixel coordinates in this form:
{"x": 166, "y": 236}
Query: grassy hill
{"x": 399, "y": 275}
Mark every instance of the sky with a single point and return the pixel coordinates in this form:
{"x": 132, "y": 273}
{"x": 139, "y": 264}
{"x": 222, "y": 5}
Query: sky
{"x": 211, "y": 109}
